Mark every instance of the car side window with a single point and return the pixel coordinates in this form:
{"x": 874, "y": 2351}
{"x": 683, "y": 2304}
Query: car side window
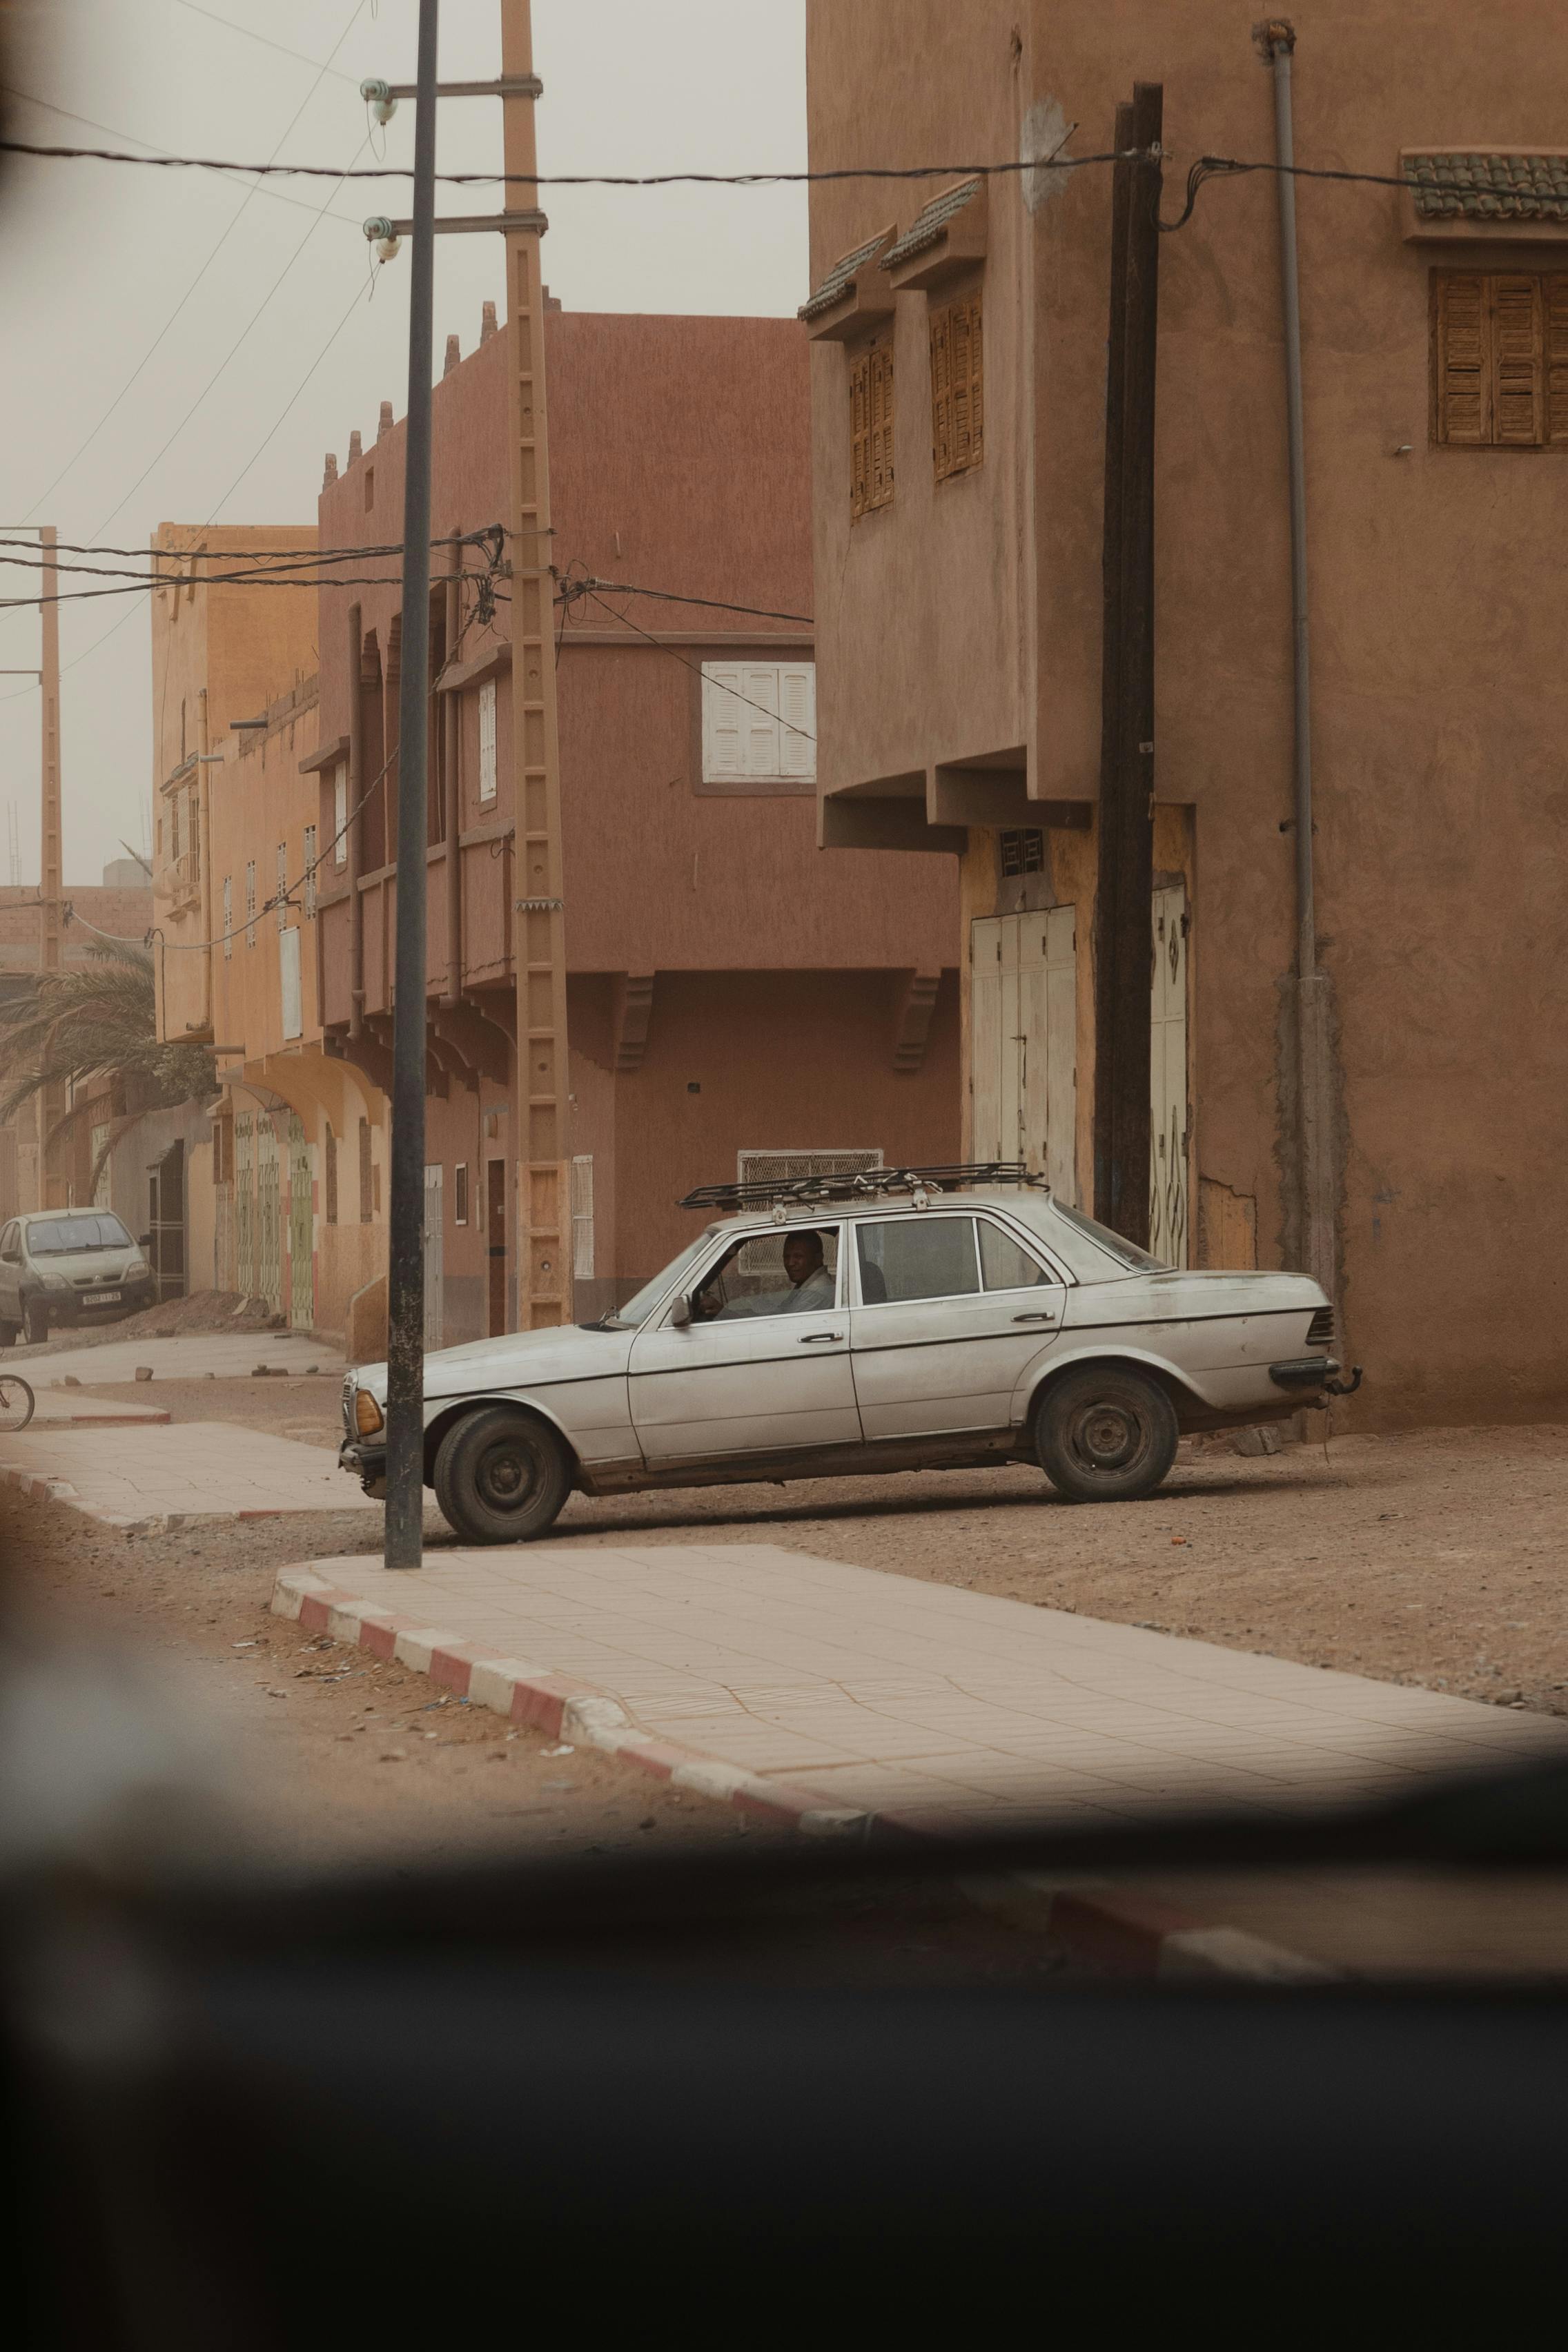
{"x": 917, "y": 1258}
{"x": 791, "y": 1270}
{"x": 1005, "y": 1262}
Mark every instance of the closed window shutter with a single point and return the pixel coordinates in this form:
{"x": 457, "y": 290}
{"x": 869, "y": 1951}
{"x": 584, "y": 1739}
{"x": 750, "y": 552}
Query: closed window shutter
{"x": 859, "y": 432}
{"x": 487, "y": 739}
{"x": 759, "y": 719}
{"x": 881, "y": 477}
{"x": 1556, "y": 308}
{"x": 723, "y": 753}
{"x": 341, "y": 814}
{"x": 1464, "y": 362}
{"x": 797, "y": 720}
{"x": 1517, "y": 348}
{"x": 941, "y": 392}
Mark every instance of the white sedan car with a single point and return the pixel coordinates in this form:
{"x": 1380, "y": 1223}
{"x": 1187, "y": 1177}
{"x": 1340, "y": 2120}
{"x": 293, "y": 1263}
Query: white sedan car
{"x": 912, "y": 1319}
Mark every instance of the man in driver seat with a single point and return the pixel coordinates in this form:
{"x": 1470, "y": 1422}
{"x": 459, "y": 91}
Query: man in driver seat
{"x": 811, "y": 1285}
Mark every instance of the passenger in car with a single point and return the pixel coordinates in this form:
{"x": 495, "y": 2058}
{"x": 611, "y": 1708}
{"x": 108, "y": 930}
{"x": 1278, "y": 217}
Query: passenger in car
{"x": 811, "y": 1285}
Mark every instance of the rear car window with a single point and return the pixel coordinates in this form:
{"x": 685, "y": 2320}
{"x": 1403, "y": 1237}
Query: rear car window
{"x": 1005, "y": 1262}
{"x": 918, "y": 1257}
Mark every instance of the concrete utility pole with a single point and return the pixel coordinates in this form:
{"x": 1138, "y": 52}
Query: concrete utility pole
{"x": 544, "y": 1196}
{"x": 404, "y": 1538}
{"x": 52, "y": 1182}
{"x": 1123, "y": 905}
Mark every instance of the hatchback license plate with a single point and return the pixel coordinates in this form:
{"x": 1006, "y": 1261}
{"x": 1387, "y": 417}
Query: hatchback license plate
{"x": 100, "y": 1297}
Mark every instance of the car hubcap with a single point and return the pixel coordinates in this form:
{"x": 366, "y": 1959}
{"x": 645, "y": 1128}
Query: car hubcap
{"x": 507, "y": 1476}
{"x": 1108, "y": 1436}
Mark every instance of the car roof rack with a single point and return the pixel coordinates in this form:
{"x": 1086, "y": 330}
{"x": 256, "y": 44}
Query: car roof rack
{"x": 864, "y": 1184}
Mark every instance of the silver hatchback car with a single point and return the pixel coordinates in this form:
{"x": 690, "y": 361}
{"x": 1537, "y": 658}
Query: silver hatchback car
{"x": 907, "y": 1320}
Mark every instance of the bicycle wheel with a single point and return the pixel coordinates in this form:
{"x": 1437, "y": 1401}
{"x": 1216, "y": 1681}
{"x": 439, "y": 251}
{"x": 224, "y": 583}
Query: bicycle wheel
{"x": 15, "y": 1403}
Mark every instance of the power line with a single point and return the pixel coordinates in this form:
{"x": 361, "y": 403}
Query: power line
{"x": 256, "y": 554}
{"x": 282, "y": 49}
{"x": 777, "y": 716}
{"x": 265, "y": 566}
{"x": 159, "y": 156}
{"x": 573, "y": 589}
{"x": 1433, "y": 182}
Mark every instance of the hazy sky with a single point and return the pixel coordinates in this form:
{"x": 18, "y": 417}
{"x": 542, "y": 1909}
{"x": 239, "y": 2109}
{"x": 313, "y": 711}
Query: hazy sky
{"x": 95, "y": 260}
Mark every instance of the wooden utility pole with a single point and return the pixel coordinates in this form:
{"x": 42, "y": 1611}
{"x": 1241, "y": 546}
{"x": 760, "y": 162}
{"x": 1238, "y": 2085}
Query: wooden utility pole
{"x": 52, "y": 1182}
{"x": 1123, "y": 905}
{"x": 539, "y": 925}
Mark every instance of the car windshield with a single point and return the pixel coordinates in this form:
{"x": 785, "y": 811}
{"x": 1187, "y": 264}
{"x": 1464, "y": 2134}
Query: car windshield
{"x": 64, "y": 1236}
{"x": 640, "y": 1306}
{"x": 1125, "y": 1253}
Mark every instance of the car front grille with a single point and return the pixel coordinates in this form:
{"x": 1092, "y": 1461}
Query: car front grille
{"x": 1321, "y": 1329}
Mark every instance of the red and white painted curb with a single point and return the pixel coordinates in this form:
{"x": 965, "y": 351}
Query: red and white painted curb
{"x": 1124, "y": 1934}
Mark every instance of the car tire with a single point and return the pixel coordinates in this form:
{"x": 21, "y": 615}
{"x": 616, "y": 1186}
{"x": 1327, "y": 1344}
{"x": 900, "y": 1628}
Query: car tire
{"x": 8, "y": 1335}
{"x": 501, "y": 1475}
{"x": 1105, "y": 1435}
{"x": 35, "y": 1322}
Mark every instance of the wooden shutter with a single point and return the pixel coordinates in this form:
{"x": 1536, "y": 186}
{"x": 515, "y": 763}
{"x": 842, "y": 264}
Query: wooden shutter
{"x": 859, "y": 432}
{"x": 1518, "y": 362}
{"x": 985, "y": 1038}
{"x": 879, "y": 486}
{"x": 1556, "y": 399}
{"x": 723, "y": 756}
{"x": 797, "y": 718}
{"x": 759, "y": 719}
{"x": 941, "y": 392}
{"x": 1462, "y": 361}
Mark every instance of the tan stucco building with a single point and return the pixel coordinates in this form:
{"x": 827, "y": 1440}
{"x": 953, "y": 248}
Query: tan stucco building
{"x": 959, "y": 413}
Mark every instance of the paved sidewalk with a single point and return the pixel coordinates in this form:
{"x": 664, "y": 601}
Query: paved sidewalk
{"x": 227, "y": 1354}
{"x": 194, "y": 1469}
{"x": 67, "y": 1408}
{"x": 830, "y": 1692}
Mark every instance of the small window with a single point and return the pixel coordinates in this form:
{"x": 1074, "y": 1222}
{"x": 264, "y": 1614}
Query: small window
{"x": 281, "y": 895}
{"x": 341, "y": 814}
{"x": 918, "y": 1257}
{"x": 309, "y": 873}
{"x": 870, "y": 429}
{"x": 759, "y": 722}
{"x": 957, "y": 388}
{"x": 487, "y": 739}
{"x": 1005, "y": 1262}
{"x": 460, "y": 1194}
{"x": 1023, "y": 852}
{"x": 250, "y": 903}
{"x": 1499, "y": 359}
{"x": 228, "y": 916}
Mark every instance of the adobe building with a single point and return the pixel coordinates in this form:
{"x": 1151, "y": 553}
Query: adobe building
{"x": 280, "y": 1178}
{"x": 733, "y": 996}
{"x": 959, "y": 390}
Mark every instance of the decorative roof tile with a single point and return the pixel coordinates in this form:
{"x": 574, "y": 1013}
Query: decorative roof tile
{"x": 841, "y": 276}
{"x": 1455, "y": 185}
{"x": 930, "y": 223}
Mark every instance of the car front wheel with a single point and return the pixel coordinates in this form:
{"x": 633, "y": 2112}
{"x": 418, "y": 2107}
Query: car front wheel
{"x": 1106, "y": 1435}
{"x": 35, "y": 1321}
{"x": 501, "y": 1476}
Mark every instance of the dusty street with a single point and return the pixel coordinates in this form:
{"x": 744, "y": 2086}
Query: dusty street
{"x": 1435, "y": 1556}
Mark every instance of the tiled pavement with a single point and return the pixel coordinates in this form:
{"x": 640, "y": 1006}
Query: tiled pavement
{"x": 190, "y": 1470}
{"x": 847, "y": 1691}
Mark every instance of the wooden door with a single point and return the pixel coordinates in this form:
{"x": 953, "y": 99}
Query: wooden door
{"x": 1168, "y": 1213}
{"x": 495, "y": 1241}
{"x": 985, "y": 1038}
{"x": 1024, "y": 1042}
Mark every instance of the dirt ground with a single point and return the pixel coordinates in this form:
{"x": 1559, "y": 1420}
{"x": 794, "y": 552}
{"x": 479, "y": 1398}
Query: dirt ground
{"x": 1434, "y": 1557}
{"x": 201, "y": 1311}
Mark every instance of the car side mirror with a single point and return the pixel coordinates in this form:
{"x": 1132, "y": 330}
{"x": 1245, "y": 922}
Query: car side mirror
{"x": 681, "y": 1314}
{"x": 143, "y": 1241}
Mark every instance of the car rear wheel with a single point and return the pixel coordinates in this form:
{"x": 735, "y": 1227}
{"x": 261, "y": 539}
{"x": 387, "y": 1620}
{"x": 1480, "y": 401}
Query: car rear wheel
{"x": 1106, "y": 1435}
{"x": 501, "y": 1476}
{"x": 35, "y": 1322}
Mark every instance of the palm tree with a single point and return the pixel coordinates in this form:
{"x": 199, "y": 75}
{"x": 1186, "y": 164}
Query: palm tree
{"x": 98, "y": 1021}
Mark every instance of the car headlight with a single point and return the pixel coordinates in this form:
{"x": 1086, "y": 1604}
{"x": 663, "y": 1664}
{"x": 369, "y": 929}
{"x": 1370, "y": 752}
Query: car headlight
{"x": 368, "y": 1416}
{"x": 54, "y": 1282}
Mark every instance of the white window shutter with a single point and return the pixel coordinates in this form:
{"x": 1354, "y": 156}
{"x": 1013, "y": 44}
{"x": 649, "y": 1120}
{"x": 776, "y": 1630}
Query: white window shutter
{"x": 723, "y": 750}
{"x": 341, "y": 814}
{"x": 487, "y": 739}
{"x": 797, "y": 718}
{"x": 759, "y": 719}
{"x": 288, "y": 976}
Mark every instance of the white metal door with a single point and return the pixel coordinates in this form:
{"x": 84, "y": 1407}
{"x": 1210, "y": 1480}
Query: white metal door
{"x": 1024, "y": 1042}
{"x": 433, "y": 1279}
{"x": 1168, "y": 1219}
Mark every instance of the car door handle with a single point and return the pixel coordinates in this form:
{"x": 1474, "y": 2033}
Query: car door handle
{"x": 812, "y": 1338}
{"x": 1040, "y": 1314}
